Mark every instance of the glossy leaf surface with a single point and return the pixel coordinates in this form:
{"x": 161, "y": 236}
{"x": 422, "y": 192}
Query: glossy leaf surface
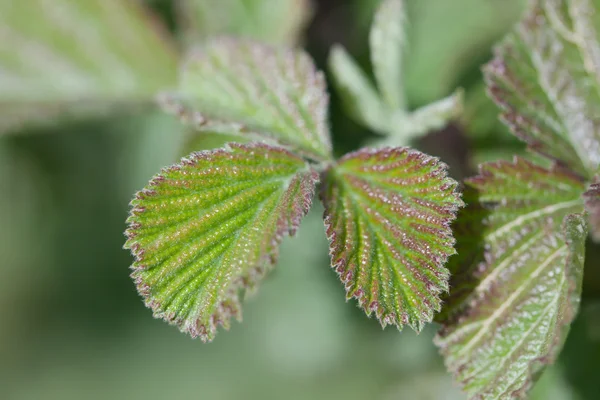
{"x": 210, "y": 226}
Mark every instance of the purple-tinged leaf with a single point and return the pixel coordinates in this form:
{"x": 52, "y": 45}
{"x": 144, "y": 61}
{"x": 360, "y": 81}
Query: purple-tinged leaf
{"x": 272, "y": 91}
{"x": 592, "y": 206}
{"x": 546, "y": 79}
{"x": 516, "y": 281}
{"x": 387, "y": 215}
{"x": 209, "y": 226}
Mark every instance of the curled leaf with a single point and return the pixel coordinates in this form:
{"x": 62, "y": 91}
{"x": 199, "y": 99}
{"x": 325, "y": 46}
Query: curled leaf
{"x": 209, "y": 226}
{"x": 387, "y": 215}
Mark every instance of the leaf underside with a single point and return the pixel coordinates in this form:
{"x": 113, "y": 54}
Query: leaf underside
{"x": 270, "y": 91}
{"x": 387, "y": 215}
{"x": 546, "y": 78}
{"x": 516, "y": 282}
{"x": 75, "y": 57}
{"x": 209, "y": 226}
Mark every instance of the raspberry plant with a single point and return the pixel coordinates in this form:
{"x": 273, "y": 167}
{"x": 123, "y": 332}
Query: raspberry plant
{"x": 206, "y": 230}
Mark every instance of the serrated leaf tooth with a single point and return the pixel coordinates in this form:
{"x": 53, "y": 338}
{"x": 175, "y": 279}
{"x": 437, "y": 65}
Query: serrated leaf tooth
{"x": 372, "y": 204}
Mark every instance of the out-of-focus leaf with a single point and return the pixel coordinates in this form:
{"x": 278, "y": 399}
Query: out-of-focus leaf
{"x": 546, "y": 75}
{"x": 270, "y": 91}
{"x": 408, "y": 126}
{"x": 360, "y": 98}
{"x": 78, "y": 58}
{"x": 208, "y": 227}
{"x": 269, "y": 21}
{"x": 592, "y": 205}
{"x": 386, "y": 42}
{"x": 387, "y": 216}
{"x": 516, "y": 283}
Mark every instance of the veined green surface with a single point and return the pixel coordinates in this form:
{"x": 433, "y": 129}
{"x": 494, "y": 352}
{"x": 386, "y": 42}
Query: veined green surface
{"x": 210, "y": 226}
{"x": 516, "y": 283}
{"x": 387, "y": 217}
{"x": 274, "y": 92}
{"x": 75, "y": 57}
{"x": 270, "y": 21}
{"x": 546, "y": 78}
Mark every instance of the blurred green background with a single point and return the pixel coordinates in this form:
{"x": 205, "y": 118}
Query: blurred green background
{"x": 73, "y": 327}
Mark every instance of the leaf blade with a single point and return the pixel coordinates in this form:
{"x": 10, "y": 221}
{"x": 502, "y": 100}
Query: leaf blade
{"x": 272, "y": 90}
{"x": 546, "y": 77}
{"x": 360, "y": 98}
{"x": 387, "y": 216}
{"x": 516, "y": 290}
{"x": 387, "y": 40}
{"x": 46, "y": 70}
{"x": 209, "y": 226}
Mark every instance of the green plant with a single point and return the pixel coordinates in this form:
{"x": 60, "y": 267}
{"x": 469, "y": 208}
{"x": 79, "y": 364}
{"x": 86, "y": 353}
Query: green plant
{"x": 206, "y": 230}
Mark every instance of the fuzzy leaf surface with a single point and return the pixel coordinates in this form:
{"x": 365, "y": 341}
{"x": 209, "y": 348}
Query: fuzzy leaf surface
{"x": 269, "y": 21}
{"x": 274, "y": 91}
{"x": 592, "y": 205}
{"x": 359, "y": 96}
{"x": 546, "y": 78}
{"x": 208, "y": 227}
{"x": 516, "y": 282}
{"x": 387, "y": 215}
{"x": 386, "y": 41}
{"x": 78, "y": 58}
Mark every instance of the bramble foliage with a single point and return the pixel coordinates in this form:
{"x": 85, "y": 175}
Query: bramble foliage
{"x": 516, "y": 287}
{"x": 206, "y": 230}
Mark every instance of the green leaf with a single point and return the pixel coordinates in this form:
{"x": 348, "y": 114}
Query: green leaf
{"x": 592, "y": 205}
{"x": 360, "y": 98}
{"x": 386, "y": 41}
{"x": 546, "y": 78}
{"x": 270, "y": 21}
{"x": 274, "y": 91}
{"x": 387, "y": 216}
{"x": 78, "y": 58}
{"x": 516, "y": 282}
{"x": 208, "y": 227}
{"x": 406, "y": 127}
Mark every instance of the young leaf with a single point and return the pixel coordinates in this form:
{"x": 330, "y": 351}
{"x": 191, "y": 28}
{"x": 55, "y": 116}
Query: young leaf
{"x": 387, "y": 41}
{"x": 546, "y": 76}
{"x": 408, "y": 126}
{"x": 387, "y": 216}
{"x": 274, "y": 91}
{"x": 360, "y": 98}
{"x": 516, "y": 289}
{"x": 270, "y": 21}
{"x": 78, "y": 57}
{"x": 209, "y": 226}
{"x": 592, "y": 205}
